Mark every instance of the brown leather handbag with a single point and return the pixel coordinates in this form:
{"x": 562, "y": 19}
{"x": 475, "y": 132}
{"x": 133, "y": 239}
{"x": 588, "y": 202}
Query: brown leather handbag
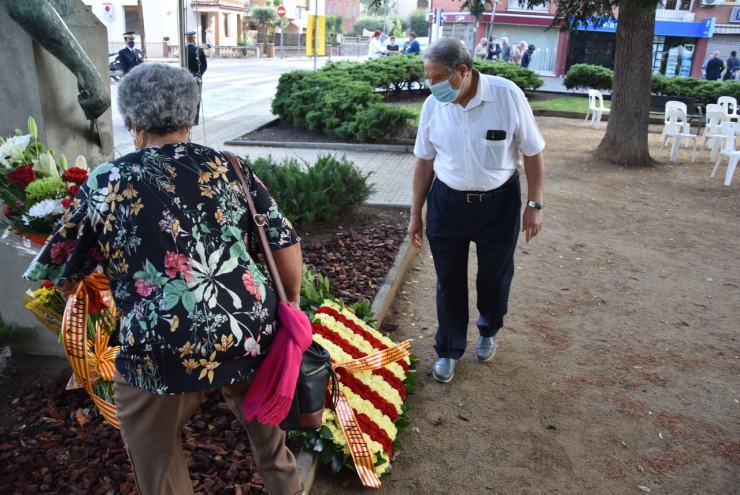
{"x": 316, "y": 370}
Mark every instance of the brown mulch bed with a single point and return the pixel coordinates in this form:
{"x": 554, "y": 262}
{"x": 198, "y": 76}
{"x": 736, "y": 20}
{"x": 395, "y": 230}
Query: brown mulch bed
{"x": 54, "y": 448}
{"x": 356, "y": 263}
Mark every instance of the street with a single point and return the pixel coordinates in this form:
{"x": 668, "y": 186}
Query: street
{"x": 228, "y": 85}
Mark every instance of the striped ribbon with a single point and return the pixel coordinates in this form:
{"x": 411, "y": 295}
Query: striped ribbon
{"x": 74, "y": 339}
{"x": 352, "y": 431}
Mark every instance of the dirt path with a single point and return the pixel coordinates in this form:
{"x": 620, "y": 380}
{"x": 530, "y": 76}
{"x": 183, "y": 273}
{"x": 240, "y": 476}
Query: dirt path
{"x": 619, "y": 365}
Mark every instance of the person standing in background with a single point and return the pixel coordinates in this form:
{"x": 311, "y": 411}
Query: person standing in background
{"x": 129, "y": 56}
{"x": 732, "y": 64}
{"x": 209, "y": 38}
{"x": 527, "y": 56}
{"x": 505, "y": 50}
{"x": 481, "y": 49}
{"x": 392, "y": 48}
{"x": 715, "y": 66}
{"x": 494, "y": 49}
{"x": 197, "y": 65}
{"x": 375, "y": 49}
{"x": 414, "y": 46}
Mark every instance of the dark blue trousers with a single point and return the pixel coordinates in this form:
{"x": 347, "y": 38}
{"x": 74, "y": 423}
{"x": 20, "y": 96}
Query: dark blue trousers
{"x": 452, "y": 223}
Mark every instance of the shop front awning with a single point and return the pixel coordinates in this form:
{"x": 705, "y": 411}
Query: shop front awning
{"x": 662, "y": 28}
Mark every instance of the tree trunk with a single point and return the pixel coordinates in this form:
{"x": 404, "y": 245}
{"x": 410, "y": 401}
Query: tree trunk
{"x": 626, "y": 139}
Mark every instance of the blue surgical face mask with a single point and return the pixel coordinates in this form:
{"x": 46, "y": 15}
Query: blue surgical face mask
{"x": 131, "y": 44}
{"x": 443, "y": 91}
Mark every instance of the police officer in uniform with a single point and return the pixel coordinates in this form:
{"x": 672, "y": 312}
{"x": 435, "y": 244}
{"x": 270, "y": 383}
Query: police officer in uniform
{"x": 197, "y": 65}
{"x": 129, "y": 57}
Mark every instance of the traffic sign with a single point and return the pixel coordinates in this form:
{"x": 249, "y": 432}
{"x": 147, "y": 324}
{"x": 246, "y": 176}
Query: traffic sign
{"x": 281, "y": 11}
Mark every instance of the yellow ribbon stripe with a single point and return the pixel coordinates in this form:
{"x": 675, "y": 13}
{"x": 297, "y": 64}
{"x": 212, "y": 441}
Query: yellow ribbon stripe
{"x": 74, "y": 339}
{"x": 357, "y": 444}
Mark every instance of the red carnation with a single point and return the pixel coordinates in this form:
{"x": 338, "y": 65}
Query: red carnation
{"x": 66, "y": 203}
{"x": 75, "y": 175}
{"x": 47, "y": 285}
{"x": 73, "y": 191}
{"x": 23, "y": 175}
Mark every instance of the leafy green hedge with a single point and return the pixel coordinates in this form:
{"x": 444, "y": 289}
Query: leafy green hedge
{"x": 596, "y": 77}
{"x": 522, "y": 77}
{"x": 306, "y": 193}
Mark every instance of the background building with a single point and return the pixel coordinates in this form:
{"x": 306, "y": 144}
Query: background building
{"x": 350, "y": 10}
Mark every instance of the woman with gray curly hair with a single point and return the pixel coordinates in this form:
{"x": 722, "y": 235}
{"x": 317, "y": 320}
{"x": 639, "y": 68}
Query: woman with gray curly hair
{"x": 168, "y": 223}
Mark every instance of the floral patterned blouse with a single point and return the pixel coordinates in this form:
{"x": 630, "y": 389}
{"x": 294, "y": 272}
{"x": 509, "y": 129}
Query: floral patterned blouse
{"x": 169, "y": 226}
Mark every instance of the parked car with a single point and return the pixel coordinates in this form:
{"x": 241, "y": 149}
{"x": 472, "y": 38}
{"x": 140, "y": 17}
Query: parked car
{"x": 423, "y": 43}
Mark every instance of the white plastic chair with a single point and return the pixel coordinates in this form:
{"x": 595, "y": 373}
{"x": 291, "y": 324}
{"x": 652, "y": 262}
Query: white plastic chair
{"x": 729, "y": 105}
{"x": 713, "y": 129}
{"x": 595, "y": 108}
{"x": 673, "y": 105}
{"x": 673, "y": 129}
{"x": 730, "y": 132}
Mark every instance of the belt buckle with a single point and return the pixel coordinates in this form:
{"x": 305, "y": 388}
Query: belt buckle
{"x": 479, "y": 196}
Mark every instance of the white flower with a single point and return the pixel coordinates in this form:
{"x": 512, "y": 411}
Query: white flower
{"x": 45, "y": 165}
{"x": 81, "y": 162}
{"x": 115, "y": 174}
{"x": 46, "y": 207}
{"x": 252, "y": 347}
{"x": 13, "y": 148}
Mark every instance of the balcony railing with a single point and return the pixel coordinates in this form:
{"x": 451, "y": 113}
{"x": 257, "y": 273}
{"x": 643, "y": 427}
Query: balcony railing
{"x": 676, "y": 10}
{"x": 522, "y": 5}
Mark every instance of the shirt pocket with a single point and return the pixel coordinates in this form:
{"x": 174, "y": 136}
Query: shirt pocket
{"x": 493, "y": 154}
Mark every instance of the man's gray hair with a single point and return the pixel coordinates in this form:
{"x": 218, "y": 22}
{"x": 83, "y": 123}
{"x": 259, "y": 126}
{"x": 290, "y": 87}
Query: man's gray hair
{"x": 450, "y": 53}
{"x": 158, "y": 98}
{"x": 505, "y": 39}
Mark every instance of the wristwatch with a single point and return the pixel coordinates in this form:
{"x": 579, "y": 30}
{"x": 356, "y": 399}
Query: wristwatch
{"x": 535, "y": 205}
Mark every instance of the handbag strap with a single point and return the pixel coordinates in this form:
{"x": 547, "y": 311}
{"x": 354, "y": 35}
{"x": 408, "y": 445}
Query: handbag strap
{"x": 259, "y": 230}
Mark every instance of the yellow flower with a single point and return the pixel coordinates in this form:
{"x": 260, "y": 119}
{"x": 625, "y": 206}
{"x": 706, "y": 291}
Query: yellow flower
{"x": 186, "y": 349}
{"x": 176, "y": 227}
{"x": 136, "y": 207}
{"x": 170, "y": 188}
{"x": 218, "y": 169}
{"x": 204, "y": 177}
{"x": 219, "y": 216}
{"x": 149, "y": 362}
{"x": 131, "y": 338}
{"x": 108, "y": 226}
{"x": 206, "y": 191}
{"x": 113, "y": 195}
{"x": 172, "y": 171}
{"x": 129, "y": 192}
{"x": 190, "y": 365}
{"x": 117, "y": 254}
{"x": 226, "y": 343}
{"x": 75, "y": 204}
{"x": 175, "y": 324}
{"x": 208, "y": 367}
{"x": 63, "y": 230}
{"x": 124, "y": 266}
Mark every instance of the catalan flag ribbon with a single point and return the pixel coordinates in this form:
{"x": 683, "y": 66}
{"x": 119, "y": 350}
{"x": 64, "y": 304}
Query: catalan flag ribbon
{"x": 92, "y": 360}
{"x": 357, "y": 444}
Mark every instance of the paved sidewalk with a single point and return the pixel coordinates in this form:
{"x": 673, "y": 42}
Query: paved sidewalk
{"x": 392, "y": 173}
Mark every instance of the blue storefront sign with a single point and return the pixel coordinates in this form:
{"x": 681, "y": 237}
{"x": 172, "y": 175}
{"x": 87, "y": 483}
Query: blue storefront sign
{"x": 662, "y": 28}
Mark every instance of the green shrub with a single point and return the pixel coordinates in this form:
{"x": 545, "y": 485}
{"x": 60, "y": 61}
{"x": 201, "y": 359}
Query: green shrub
{"x": 336, "y": 99}
{"x": 589, "y": 76}
{"x": 524, "y": 78}
{"x": 373, "y": 123}
{"x": 419, "y": 22}
{"x": 307, "y": 193}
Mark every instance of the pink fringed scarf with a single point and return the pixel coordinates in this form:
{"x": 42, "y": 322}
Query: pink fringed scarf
{"x": 271, "y": 393}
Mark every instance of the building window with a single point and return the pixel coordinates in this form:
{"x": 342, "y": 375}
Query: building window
{"x": 522, "y": 5}
{"x": 335, "y": 10}
{"x": 226, "y": 25}
{"x": 132, "y": 19}
{"x": 354, "y": 12}
{"x": 346, "y": 12}
{"x": 328, "y": 10}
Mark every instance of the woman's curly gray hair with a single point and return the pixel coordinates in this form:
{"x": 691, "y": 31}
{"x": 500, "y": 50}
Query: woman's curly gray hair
{"x": 158, "y": 98}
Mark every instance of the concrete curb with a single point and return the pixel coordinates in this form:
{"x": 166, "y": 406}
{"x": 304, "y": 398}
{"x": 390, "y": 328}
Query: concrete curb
{"x": 384, "y": 297}
{"x": 398, "y": 148}
{"x": 308, "y": 466}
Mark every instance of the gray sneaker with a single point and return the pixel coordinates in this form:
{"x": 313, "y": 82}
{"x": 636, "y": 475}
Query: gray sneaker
{"x": 444, "y": 370}
{"x": 486, "y": 348}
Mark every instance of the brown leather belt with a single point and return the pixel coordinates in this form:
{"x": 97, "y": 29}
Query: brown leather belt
{"x": 478, "y": 196}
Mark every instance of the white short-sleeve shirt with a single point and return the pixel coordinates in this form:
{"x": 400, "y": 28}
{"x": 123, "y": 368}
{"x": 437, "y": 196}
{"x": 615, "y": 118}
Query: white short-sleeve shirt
{"x": 455, "y": 137}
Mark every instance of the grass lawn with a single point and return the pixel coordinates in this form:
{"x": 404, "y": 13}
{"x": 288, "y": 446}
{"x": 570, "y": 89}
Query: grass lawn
{"x": 568, "y": 104}
{"x": 416, "y": 109}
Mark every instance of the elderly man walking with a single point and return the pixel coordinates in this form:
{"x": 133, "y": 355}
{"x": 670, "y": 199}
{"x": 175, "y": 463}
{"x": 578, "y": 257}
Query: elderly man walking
{"x": 471, "y": 131}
